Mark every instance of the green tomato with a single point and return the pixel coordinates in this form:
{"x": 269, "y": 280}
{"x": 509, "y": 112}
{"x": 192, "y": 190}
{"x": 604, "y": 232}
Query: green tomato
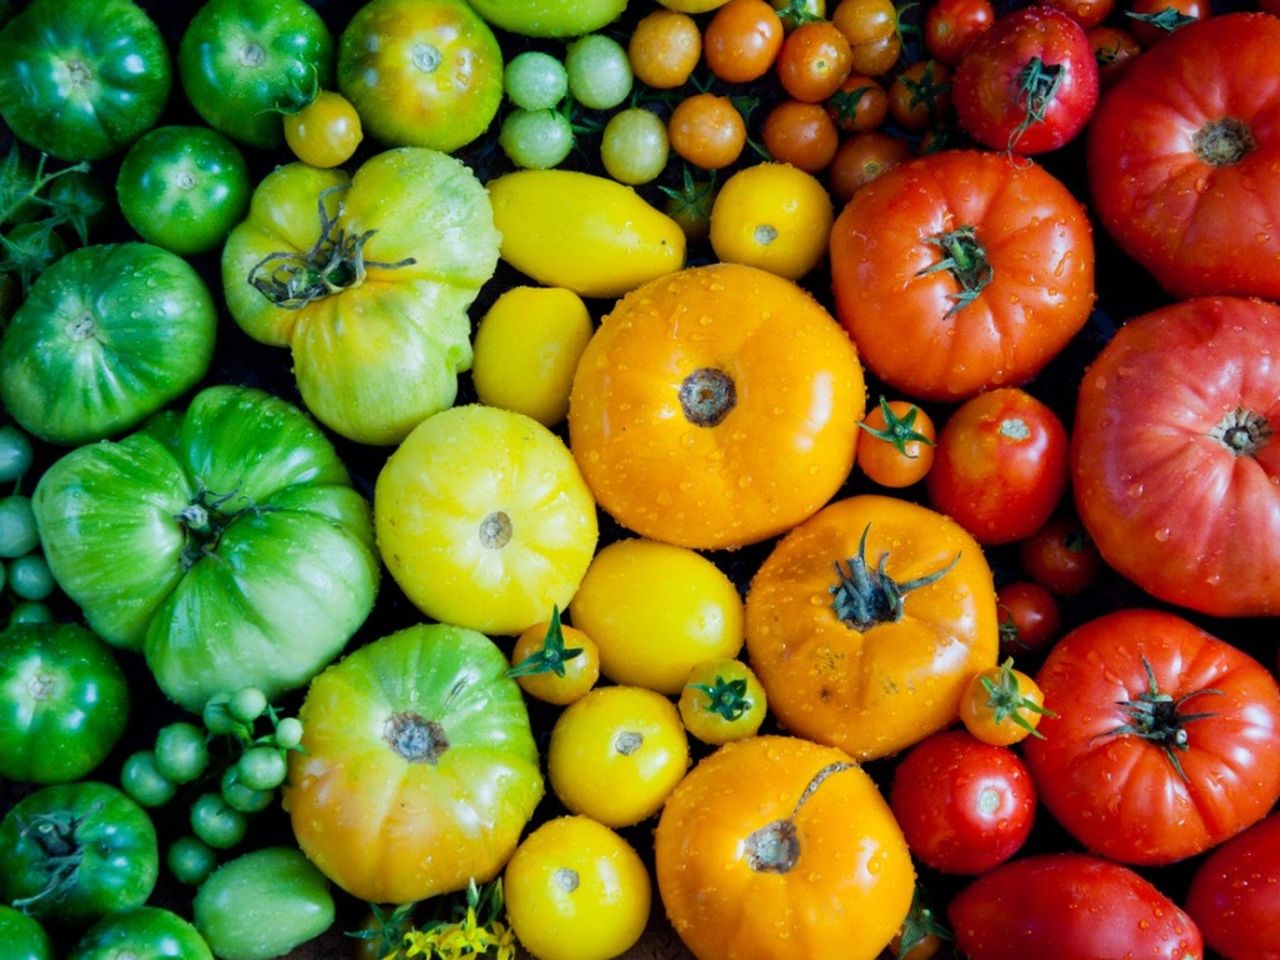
{"x": 30, "y": 611}
{"x": 263, "y": 904}
{"x": 634, "y": 147}
{"x": 142, "y": 780}
{"x": 108, "y": 336}
{"x": 217, "y": 823}
{"x": 183, "y": 188}
{"x": 599, "y": 72}
{"x": 16, "y": 454}
{"x": 246, "y": 62}
{"x": 191, "y": 861}
{"x": 81, "y": 79}
{"x": 536, "y": 139}
{"x": 23, "y": 938}
{"x": 247, "y": 705}
{"x": 18, "y": 532}
{"x": 535, "y": 80}
{"x": 549, "y": 18}
{"x": 30, "y": 577}
{"x": 77, "y": 851}
{"x": 64, "y": 706}
{"x": 147, "y": 933}
{"x": 181, "y": 752}
{"x": 289, "y": 733}
{"x": 262, "y": 768}
{"x": 216, "y": 717}
{"x": 243, "y": 556}
{"x": 241, "y": 797}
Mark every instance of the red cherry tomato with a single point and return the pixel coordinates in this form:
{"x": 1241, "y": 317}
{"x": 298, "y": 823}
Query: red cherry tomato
{"x": 1153, "y": 20}
{"x": 950, "y": 27}
{"x": 1113, "y": 49}
{"x": 1061, "y": 556}
{"x": 1029, "y": 618}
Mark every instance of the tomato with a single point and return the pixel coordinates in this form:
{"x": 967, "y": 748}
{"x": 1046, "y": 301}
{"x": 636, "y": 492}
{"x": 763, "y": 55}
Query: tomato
{"x": 1175, "y": 465}
{"x": 742, "y": 40}
{"x": 1029, "y": 619}
{"x": 153, "y": 309}
{"x": 921, "y": 935}
{"x": 1167, "y": 738}
{"x": 774, "y": 217}
{"x": 1153, "y": 20}
{"x": 549, "y": 18}
{"x": 241, "y": 555}
{"x": 1234, "y": 896}
{"x": 183, "y": 188}
{"x": 1002, "y": 706}
{"x": 263, "y": 904}
{"x": 527, "y": 348}
{"x": 76, "y": 851}
{"x": 860, "y": 104}
{"x": 1113, "y": 49}
{"x": 899, "y": 591}
{"x": 423, "y": 719}
{"x": 871, "y": 27}
{"x": 535, "y": 80}
{"x": 722, "y": 700}
{"x": 950, "y": 27}
{"x": 775, "y": 847}
{"x": 898, "y": 448}
{"x": 484, "y": 520}
{"x": 23, "y": 937}
{"x": 377, "y": 322}
{"x": 421, "y": 73}
{"x": 144, "y": 933}
{"x": 689, "y": 205}
{"x": 536, "y": 139}
{"x": 585, "y": 233}
{"x": 1180, "y": 154}
{"x": 964, "y": 806}
{"x": 707, "y": 130}
{"x": 749, "y": 391}
{"x": 634, "y": 147}
{"x": 940, "y": 269}
{"x": 82, "y": 79}
{"x": 1070, "y": 907}
{"x": 920, "y": 94}
{"x": 66, "y": 702}
{"x": 555, "y": 663}
{"x": 326, "y": 132}
{"x": 815, "y": 59}
{"x": 793, "y": 13}
{"x": 862, "y": 158}
{"x": 599, "y": 72}
{"x": 1087, "y": 13}
{"x": 801, "y": 134}
{"x": 1061, "y": 556}
{"x": 1001, "y": 466}
{"x": 664, "y": 48}
{"x": 616, "y": 754}
{"x": 245, "y": 62}
{"x": 575, "y": 890}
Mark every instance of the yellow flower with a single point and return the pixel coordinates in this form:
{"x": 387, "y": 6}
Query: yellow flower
{"x": 506, "y": 938}
{"x": 420, "y": 944}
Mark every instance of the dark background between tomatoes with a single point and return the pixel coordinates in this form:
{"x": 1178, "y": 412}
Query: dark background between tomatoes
{"x": 1124, "y": 291}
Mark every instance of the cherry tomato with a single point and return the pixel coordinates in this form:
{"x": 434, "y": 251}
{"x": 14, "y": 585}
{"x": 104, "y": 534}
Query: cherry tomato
{"x": 861, "y": 159}
{"x": 742, "y": 40}
{"x": 920, "y": 94}
{"x": 871, "y": 27}
{"x": 325, "y": 133}
{"x": 1153, "y": 20}
{"x": 792, "y": 13}
{"x": 664, "y": 49}
{"x": 951, "y": 25}
{"x": 922, "y": 932}
{"x": 1113, "y": 49}
{"x": 1061, "y": 556}
{"x": 707, "y": 130}
{"x": 814, "y": 61}
{"x": 1029, "y": 619}
{"x": 801, "y": 134}
{"x": 721, "y": 701}
{"x": 860, "y": 104}
{"x": 555, "y": 663}
{"x": 634, "y": 146}
{"x": 897, "y": 449}
{"x": 1087, "y": 13}
{"x": 1002, "y": 706}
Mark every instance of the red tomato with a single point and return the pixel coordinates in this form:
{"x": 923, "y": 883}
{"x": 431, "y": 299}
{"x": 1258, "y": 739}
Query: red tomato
{"x": 1176, "y": 459}
{"x": 1167, "y": 740}
{"x": 1061, "y": 556}
{"x": 963, "y": 805}
{"x": 1183, "y": 156}
{"x": 1029, "y": 619}
{"x": 1087, "y": 13}
{"x": 1153, "y": 20}
{"x": 1000, "y": 467}
{"x": 1068, "y": 906}
{"x": 1235, "y": 896}
{"x": 1113, "y": 50}
{"x": 951, "y": 25}
{"x": 1028, "y": 84}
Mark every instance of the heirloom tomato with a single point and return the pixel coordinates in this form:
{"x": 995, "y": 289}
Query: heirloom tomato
{"x": 244, "y": 63}
{"x": 144, "y": 933}
{"x": 240, "y": 554}
{"x": 1175, "y": 456}
{"x": 772, "y": 216}
{"x": 716, "y": 408}
{"x": 774, "y": 848}
{"x": 1167, "y": 740}
{"x": 960, "y": 272}
{"x": 81, "y": 79}
{"x": 1235, "y": 896}
{"x": 418, "y": 769}
{"x": 368, "y": 281}
{"x": 549, "y": 18}
{"x": 484, "y": 520}
{"x": 421, "y": 73}
{"x": 23, "y": 937}
{"x": 1182, "y": 154}
{"x": 722, "y": 700}
{"x": 867, "y": 621}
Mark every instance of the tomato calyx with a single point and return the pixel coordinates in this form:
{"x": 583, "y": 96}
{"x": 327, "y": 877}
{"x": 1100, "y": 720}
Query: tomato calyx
{"x": 775, "y": 847}
{"x": 1037, "y": 85}
{"x": 1006, "y": 702}
{"x": 1169, "y": 19}
{"x": 204, "y": 520}
{"x": 865, "y": 597}
{"x": 1243, "y": 432}
{"x": 707, "y": 396}
{"x": 898, "y": 430}
{"x": 387, "y": 927}
{"x": 551, "y": 657}
{"x": 1223, "y": 142}
{"x": 926, "y": 92}
{"x": 61, "y": 851}
{"x": 966, "y": 260}
{"x": 796, "y": 12}
{"x": 415, "y": 738}
{"x": 921, "y": 924}
{"x": 726, "y": 698}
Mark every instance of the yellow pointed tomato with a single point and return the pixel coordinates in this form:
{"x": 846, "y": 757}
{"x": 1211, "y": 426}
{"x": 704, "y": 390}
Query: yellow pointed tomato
{"x": 772, "y": 216}
{"x": 484, "y": 520}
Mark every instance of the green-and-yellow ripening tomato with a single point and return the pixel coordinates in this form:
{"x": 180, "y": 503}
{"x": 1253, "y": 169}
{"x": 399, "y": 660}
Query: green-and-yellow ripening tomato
{"x": 484, "y": 520}
{"x": 527, "y": 349}
{"x": 656, "y": 612}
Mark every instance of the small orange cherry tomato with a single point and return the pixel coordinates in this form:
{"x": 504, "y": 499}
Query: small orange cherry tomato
{"x": 801, "y": 134}
{"x": 871, "y": 27}
{"x": 722, "y": 700}
{"x": 324, "y": 133}
{"x": 861, "y": 159}
{"x": 922, "y": 932}
{"x": 1002, "y": 706}
{"x": 742, "y": 40}
{"x": 920, "y": 94}
{"x": 860, "y": 104}
{"x": 898, "y": 450}
{"x": 707, "y": 130}
{"x": 814, "y": 61}
{"x": 664, "y": 49}
{"x": 555, "y": 663}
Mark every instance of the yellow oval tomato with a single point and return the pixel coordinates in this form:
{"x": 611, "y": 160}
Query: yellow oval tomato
{"x": 657, "y": 611}
{"x": 722, "y": 700}
{"x": 616, "y": 754}
{"x": 555, "y": 663}
{"x": 1003, "y": 706}
{"x": 867, "y": 621}
{"x": 575, "y": 890}
{"x": 326, "y": 132}
{"x": 716, "y": 408}
{"x": 772, "y": 216}
{"x": 527, "y": 348}
{"x": 588, "y": 234}
{"x": 483, "y": 519}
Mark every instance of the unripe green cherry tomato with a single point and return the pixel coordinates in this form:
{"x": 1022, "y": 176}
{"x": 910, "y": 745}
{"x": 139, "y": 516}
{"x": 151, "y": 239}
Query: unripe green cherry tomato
{"x": 247, "y": 705}
{"x": 30, "y": 611}
{"x": 181, "y": 752}
{"x": 634, "y": 147}
{"x": 289, "y": 733}
{"x": 599, "y": 71}
{"x": 143, "y": 781}
{"x": 191, "y": 860}
{"x": 535, "y": 80}
{"x": 262, "y": 768}
{"x": 240, "y": 796}
{"x": 29, "y": 577}
{"x": 216, "y": 822}
{"x": 15, "y": 453}
{"x": 18, "y": 534}
{"x": 536, "y": 139}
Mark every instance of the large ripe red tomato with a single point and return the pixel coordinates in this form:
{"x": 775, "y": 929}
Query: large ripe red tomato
{"x": 1235, "y": 896}
{"x": 1175, "y": 458}
{"x": 1183, "y": 155}
{"x": 1166, "y": 740}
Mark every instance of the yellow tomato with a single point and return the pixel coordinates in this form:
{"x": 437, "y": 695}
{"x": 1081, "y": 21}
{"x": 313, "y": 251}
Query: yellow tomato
{"x": 616, "y": 754}
{"x": 575, "y": 890}
{"x": 555, "y": 663}
{"x": 772, "y": 216}
{"x": 324, "y": 133}
{"x": 589, "y": 234}
{"x": 721, "y": 701}
{"x": 484, "y": 520}
{"x": 656, "y": 612}
{"x": 527, "y": 349}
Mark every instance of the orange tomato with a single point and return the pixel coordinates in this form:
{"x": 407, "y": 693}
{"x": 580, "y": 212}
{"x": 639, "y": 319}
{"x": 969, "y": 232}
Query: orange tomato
{"x": 801, "y": 134}
{"x": 742, "y": 40}
{"x": 664, "y": 49}
{"x": 862, "y": 158}
{"x": 1003, "y": 706}
{"x": 555, "y": 663}
{"x": 814, "y": 61}
{"x": 898, "y": 448}
{"x": 716, "y": 407}
{"x": 921, "y": 94}
{"x": 707, "y": 130}
{"x": 860, "y": 104}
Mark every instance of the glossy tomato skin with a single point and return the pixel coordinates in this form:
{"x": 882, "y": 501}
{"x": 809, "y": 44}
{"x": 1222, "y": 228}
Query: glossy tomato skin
{"x": 963, "y": 805}
{"x": 146, "y": 933}
{"x": 951, "y": 26}
{"x": 1029, "y": 618}
{"x": 1120, "y": 794}
{"x": 1188, "y": 194}
{"x": 935, "y": 334}
{"x": 1175, "y": 458}
{"x": 23, "y": 936}
{"x": 1061, "y": 556}
{"x": 1235, "y": 897}
{"x": 1070, "y": 906}
{"x": 1000, "y": 466}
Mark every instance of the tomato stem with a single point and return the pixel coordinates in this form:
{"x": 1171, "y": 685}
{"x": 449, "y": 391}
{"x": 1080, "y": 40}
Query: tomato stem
{"x": 1243, "y": 432}
{"x": 864, "y": 597}
{"x": 727, "y": 698}
{"x": 55, "y": 835}
{"x": 1006, "y": 702}
{"x": 205, "y": 519}
{"x": 775, "y": 847}
{"x": 1223, "y": 142}
{"x": 1038, "y": 84}
{"x": 898, "y": 431}
{"x": 551, "y": 656}
{"x": 921, "y": 924}
{"x": 1168, "y": 19}
{"x": 966, "y": 259}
